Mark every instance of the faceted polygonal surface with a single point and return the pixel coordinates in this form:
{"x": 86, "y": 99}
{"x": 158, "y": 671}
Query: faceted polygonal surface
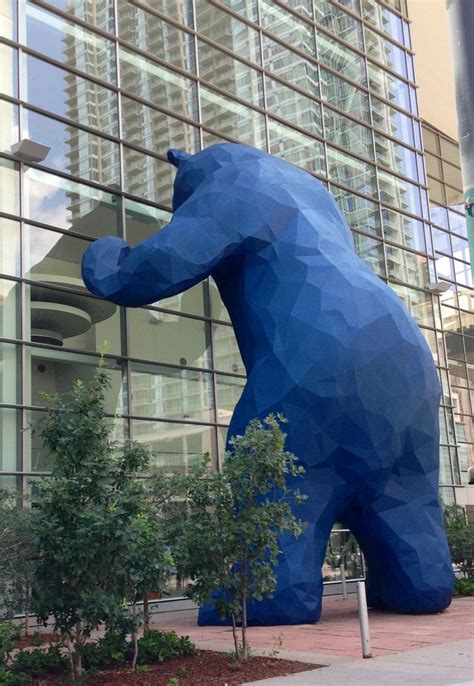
{"x": 325, "y": 342}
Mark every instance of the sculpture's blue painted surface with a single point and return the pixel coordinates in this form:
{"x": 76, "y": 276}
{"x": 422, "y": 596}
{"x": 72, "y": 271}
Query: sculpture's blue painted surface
{"x": 326, "y": 343}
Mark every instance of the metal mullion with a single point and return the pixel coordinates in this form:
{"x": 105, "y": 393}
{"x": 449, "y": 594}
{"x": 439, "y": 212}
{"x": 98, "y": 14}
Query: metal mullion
{"x": 198, "y": 82}
{"x": 263, "y": 77}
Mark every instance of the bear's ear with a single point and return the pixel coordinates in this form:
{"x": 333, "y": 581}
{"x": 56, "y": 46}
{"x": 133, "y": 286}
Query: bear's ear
{"x": 177, "y": 157}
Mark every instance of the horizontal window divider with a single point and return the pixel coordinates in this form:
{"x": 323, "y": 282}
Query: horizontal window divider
{"x": 178, "y": 422}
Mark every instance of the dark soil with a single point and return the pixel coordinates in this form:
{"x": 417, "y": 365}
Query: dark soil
{"x": 204, "y": 669}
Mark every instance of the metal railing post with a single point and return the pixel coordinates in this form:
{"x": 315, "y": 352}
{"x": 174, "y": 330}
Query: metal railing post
{"x": 363, "y": 619}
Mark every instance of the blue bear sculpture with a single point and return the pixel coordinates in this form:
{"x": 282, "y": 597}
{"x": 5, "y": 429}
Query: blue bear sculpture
{"x": 326, "y": 343}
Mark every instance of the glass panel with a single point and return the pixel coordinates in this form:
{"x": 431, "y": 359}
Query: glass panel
{"x": 370, "y": 251}
{"x": 389, "y": 87}
{"x": 385, "y": 51}
{"x": 341, "y": 59}
{"x": 181, "y": 10}
{"x": 396, "y": 157}
{"x": 360, "y": 213}
{"x": 431, "y": 141}
{"x": 290, "y": 66}
{"x": 9, "y": 70}
{"x": 232, "y": 119}
{"x": 344, "y": 95}
{"x": 445, "y": 475}
{"x": 399, "y": 192}
{"x": 404, "y": 230}
{"x": 149, "y": 128}
{"x": 99, "y": 13}
{"x": 70, "y": 205}
{"x": 341, "y": 24}
{"x": 54, "y": 371}
{"x": 148, "y": 176}
{"x": 294, "y": 107}
{"x": 9, "y": 246}
{"x": 9, "y": 373}
{"x": 454, "y": 196}
{"x": 70, "y": 44}
{"x": 10, "y": 442}
{"x": 228, "y": 31}
{"x": 9, "y": 309}
{"x": 9, "y": 187}
{"x": 450, "y": 151}
{"x": 346, "y": 133}
{"x": 70, "y": 96}
{"x": 439, "y": 216}
{"x": 228, "y": 390}
{"x": 225, "y": 72}
{"x": 442, "y": 241}
{"x": 421, "y": 307}
{"x": 9, "y": 128}
{"x": 152, "y": 34}
{"x": 165, "y": 337}
{"x": 351, "y": 172}
{"x": 153, "y": 82}
{"x": 62, "y": 318}
{"x": 407, "y": 266}
{"x": 176, "y": 447}
{"x": 287, "y": 27}
{"x": 169, "y": 393}
{"x": 304, "y": 7}
{"x": 8, "y": 19}
{"x": 382, "y": 18}
{"x": 457, "y": 223}
{"x": 452, "y": 175}
{"x": 73, "y": 150}
{"x": 226, "y": 351}
{"x": 296, "y": 147}
{"x": 143, "y": 220}
{"x": 433, "y": 166}
{"x": 53, "y": 258}
{"x": 218, "y": 308}
{"x": 393, "y": 122}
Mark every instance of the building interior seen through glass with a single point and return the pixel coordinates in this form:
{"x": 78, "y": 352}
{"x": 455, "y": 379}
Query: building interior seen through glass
{"x": 108, "y": 86}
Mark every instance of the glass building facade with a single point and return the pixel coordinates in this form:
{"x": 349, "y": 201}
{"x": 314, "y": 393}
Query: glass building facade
{"x": 109, "y": 86}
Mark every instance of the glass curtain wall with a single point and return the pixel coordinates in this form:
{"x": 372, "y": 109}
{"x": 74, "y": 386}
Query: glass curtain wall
{"x": 109, "y": 86}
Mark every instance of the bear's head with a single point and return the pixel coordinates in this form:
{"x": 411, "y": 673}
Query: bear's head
{"x": 194, "y": 169}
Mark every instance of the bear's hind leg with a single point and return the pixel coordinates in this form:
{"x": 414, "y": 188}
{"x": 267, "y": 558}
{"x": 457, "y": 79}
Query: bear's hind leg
{"x": 408, "y": 560}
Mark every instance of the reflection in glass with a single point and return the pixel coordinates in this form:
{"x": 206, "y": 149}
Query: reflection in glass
{"x": 9, "y": 246}
{"x": 228, "y": 391}
{"x": 70, "y": 44}
{"x": 389, "y": 87}
{"x": 169, "y": 338}
{"x": 293, "y": 107}
{"x": 152, "y": 34}
{"x": 52, "y": 257}
{"x": 287, "y": 27}
{"x": 158, "y": 84}
{"x": 399, "y": 192}
{"x": 232, "y": 119}
{"x": 148, "y": 177}
{"x": 396, "y": 157}
{"x": 344, "y": 95}
{"x": 346, "y": 133}
{"x": 9, "y": 309}
{"x": 9, "y": 373}
{"x": 9, "y": 127}
{"x": 70, "y": 96}
{"x": 151, "y": 129}
{"x": 229, "y": 74}
{"x": 404, "y": 230}
{"x": 180, "y": 10}
{"x": 290, "y": 66}
{"x": 98, "y": 13}
{"x": 62, "y": 318}
{"x": 68, "y": 204}
{"x": 341, "y": 24}
{"x": 9, "y": 70}
{"x": 170, "y": 393}
{"x": 176, "y": 446}
{"x": 226, "y": 351}
{"x": 74, "y": 151}
{"x": 341, "y": 59}
{"x": 360, "y": 213}
{"x": 54, "y": 371}
{"x": 407, "y": 266}
{"x": 228, "y": 31}
{"x": 351, "y": 172}
{"x": 9, "y": 187}
{"x": 10, "y": 440}
{"x": 386, "y": 52}
{"x": 392, "y": 121}
{"x": 297, "y": 148}
{"x": 370, "y": 250}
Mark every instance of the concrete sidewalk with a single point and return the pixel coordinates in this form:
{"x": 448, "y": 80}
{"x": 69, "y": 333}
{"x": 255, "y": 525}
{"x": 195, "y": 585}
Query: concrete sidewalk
{"x": 451, "y": 664}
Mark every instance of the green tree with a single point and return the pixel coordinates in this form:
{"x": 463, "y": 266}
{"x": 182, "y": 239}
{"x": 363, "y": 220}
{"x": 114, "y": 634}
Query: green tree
{"x": 460, "y": 534}
{"x": 17, "y": 555}
{"x": 229, "y": 546}
{"x": 94, "y": 530}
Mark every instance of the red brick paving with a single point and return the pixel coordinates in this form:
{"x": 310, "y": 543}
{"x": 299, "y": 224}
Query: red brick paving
{"x": 338, "y": 631}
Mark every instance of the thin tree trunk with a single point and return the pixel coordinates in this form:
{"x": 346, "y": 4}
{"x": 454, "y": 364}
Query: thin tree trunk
{"x": 146, "y": 615}
{"x": 236, "y": 640}
{"x": 134, "y": 638}
{"x": 78, "y": 653}
{"x": 245, "y": 653}
{"x": 70, "y": 658}
{"x": 27, "y": 623}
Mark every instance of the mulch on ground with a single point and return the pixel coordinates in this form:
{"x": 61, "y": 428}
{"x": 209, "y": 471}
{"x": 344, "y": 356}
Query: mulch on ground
{"x": 207, "y": 668}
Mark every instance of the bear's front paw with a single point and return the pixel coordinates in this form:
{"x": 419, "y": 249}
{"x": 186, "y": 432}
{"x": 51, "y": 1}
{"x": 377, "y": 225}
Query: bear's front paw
{"x": 101, "y": 266}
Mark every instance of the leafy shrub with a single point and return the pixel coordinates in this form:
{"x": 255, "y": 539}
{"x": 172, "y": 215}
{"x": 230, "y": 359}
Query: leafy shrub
{"x": 8, "y": 633}
{"x": 158, "y": 646}
{"x": 8, "y": 678}
{"x": 35, "y": 662}
{"x": 109, "y": 651}
{"x": 464, "y": 586}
